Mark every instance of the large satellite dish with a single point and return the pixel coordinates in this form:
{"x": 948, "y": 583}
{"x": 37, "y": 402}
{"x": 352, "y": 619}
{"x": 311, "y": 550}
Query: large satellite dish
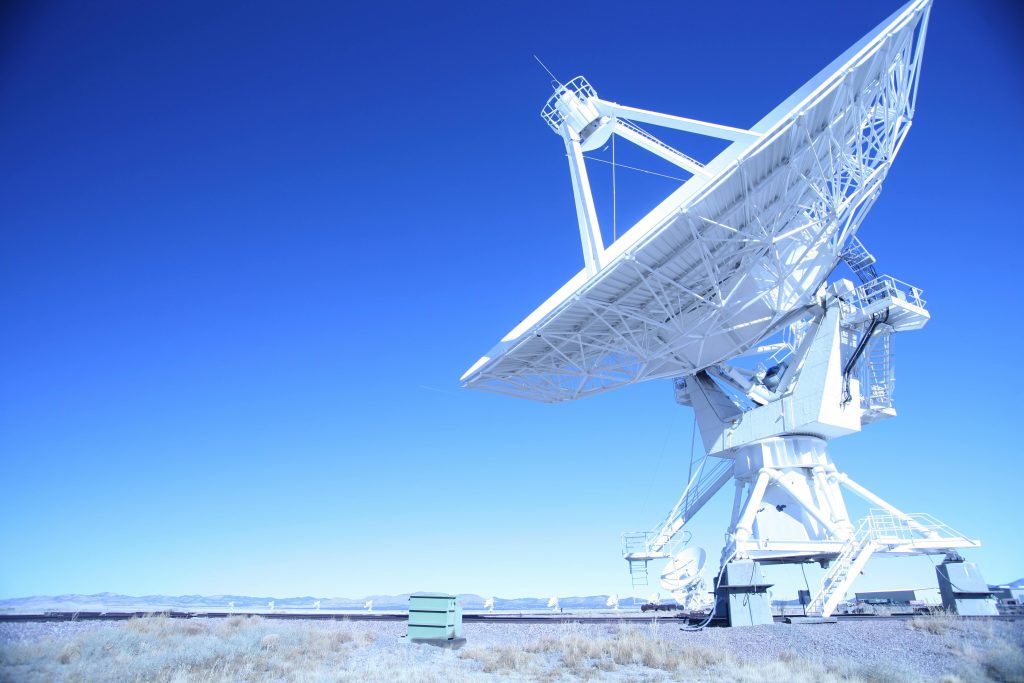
{"x": 740, "y": 247}
{"x": 736, "y": 262}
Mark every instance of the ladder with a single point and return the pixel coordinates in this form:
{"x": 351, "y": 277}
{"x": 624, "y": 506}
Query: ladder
{"x": 638, "y": 573}
{"x": 844, "y": 570}
{"x": 635, "y": 543}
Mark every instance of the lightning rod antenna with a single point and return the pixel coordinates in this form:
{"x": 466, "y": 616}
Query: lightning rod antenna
{"x": 555, "y": 81}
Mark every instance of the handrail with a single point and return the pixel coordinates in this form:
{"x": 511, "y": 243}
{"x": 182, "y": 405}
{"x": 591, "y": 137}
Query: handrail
{"x": 886, "y": 286}
{"x": 578, "y": 87}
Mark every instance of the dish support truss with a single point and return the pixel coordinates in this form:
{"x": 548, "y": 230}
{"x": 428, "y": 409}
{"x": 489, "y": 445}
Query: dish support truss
{"x": 767, "y": 430}
{"x": 724, "y": 261}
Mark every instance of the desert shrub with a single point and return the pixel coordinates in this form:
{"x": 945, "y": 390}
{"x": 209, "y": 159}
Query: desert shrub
{"x": 579, "y": 649}
{"x": 938, "y": 623}
{"x": 501, "y": 658}
{"x": 1001, "y": 661}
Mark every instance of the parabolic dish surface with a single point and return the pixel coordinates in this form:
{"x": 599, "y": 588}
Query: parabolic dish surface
{"x": 727, "y": 260}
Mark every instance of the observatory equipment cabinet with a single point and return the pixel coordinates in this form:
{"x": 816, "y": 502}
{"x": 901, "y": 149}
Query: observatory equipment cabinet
{"x": 727, "y": 287}
{"x": 434, "y": 616}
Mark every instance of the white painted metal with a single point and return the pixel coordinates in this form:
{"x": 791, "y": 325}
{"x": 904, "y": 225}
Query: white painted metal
{"x": 729, "y": 256}
{"x": 844, "y": 569}
{"x": 736, "y": 263}
{"x": 683, "y": 577}
{"x": 881, "y": 532}
{"x": 590, "y": 231}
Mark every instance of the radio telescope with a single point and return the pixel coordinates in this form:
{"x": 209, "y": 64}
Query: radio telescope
{"x": 489, "y": 604}
{"x": 554, "y": 604}
{"x": 612, "y": 601}
{"x": 727, "y": 288}
{"x": 368, "y": 605}
{"x": 682, "y": 577}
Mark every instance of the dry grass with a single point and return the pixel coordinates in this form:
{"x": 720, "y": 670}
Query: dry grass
{"x": 258, "y": 650}
{"x": 1001, "y": 660}
{"x": 633, "y": 653}
{"x": 181, "y": 650}
{"x": 937, "y": 623}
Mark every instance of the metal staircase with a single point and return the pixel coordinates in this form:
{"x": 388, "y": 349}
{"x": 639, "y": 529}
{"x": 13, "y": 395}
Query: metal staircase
{"x": 877, "y": 378}
{"x": 860, "y": 260}
{"x": 708, "y": 480}
{"x": 844, "y": 570}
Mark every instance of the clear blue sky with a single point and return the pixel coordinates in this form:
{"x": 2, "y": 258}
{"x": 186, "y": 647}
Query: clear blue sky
{"x": 248, "y": 249}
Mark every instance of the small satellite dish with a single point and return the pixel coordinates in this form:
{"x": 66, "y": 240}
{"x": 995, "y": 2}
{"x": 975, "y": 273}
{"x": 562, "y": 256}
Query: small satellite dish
{"x": 553, "y": 604}
{"x": 368, "y": 605}
{"x": 613, "y": 601}
{"x": 489, "y": 604}
{"x": 684, "y": 569}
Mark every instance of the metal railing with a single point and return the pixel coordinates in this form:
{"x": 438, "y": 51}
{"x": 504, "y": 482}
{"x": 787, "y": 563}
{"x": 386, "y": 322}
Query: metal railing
{"x": 877, "y": 376}
{"x": 886, "y": 286}
{"x": 878, "y": 529}
{"x": 885, "y": 527}
{"x": 629, "y": 125}
{"x": 837, "y": 580}
{"x": 578, "y": 87}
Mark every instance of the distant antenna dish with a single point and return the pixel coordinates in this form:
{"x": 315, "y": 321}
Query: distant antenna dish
{"x": 270, "y": 605}
{"x": 231, "y": 606}
{"x": 654, "y": 598}
{"x": 316, "y": 605}
{"x": 489, "y": 604}
{"x": 368, "y": 605}
{"x": 684, "y": 569}
{"x": 613, "y": 601}
{"x": 553, "y": 603}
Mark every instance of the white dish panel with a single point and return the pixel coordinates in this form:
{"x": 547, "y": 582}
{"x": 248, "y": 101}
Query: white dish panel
{"x": 725, "y": 261}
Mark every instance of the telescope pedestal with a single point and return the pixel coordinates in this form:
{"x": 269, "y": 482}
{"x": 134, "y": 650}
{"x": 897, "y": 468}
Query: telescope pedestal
{"x": 788, "y": 502}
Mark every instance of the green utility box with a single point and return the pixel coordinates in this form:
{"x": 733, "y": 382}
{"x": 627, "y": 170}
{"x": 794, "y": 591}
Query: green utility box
{"x": 434, "y": 616}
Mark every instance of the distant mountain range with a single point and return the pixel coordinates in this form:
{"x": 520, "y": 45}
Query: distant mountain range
{"x": 210, "y": 603}
{"x": 114, "y": 602}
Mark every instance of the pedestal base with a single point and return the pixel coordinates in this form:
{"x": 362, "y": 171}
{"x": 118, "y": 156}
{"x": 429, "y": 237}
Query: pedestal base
{"x": 963, "y": 589}
{"x": 742, "y": 595}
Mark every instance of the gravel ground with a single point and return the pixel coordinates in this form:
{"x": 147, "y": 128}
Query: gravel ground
{"x": 881, "y": 650}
